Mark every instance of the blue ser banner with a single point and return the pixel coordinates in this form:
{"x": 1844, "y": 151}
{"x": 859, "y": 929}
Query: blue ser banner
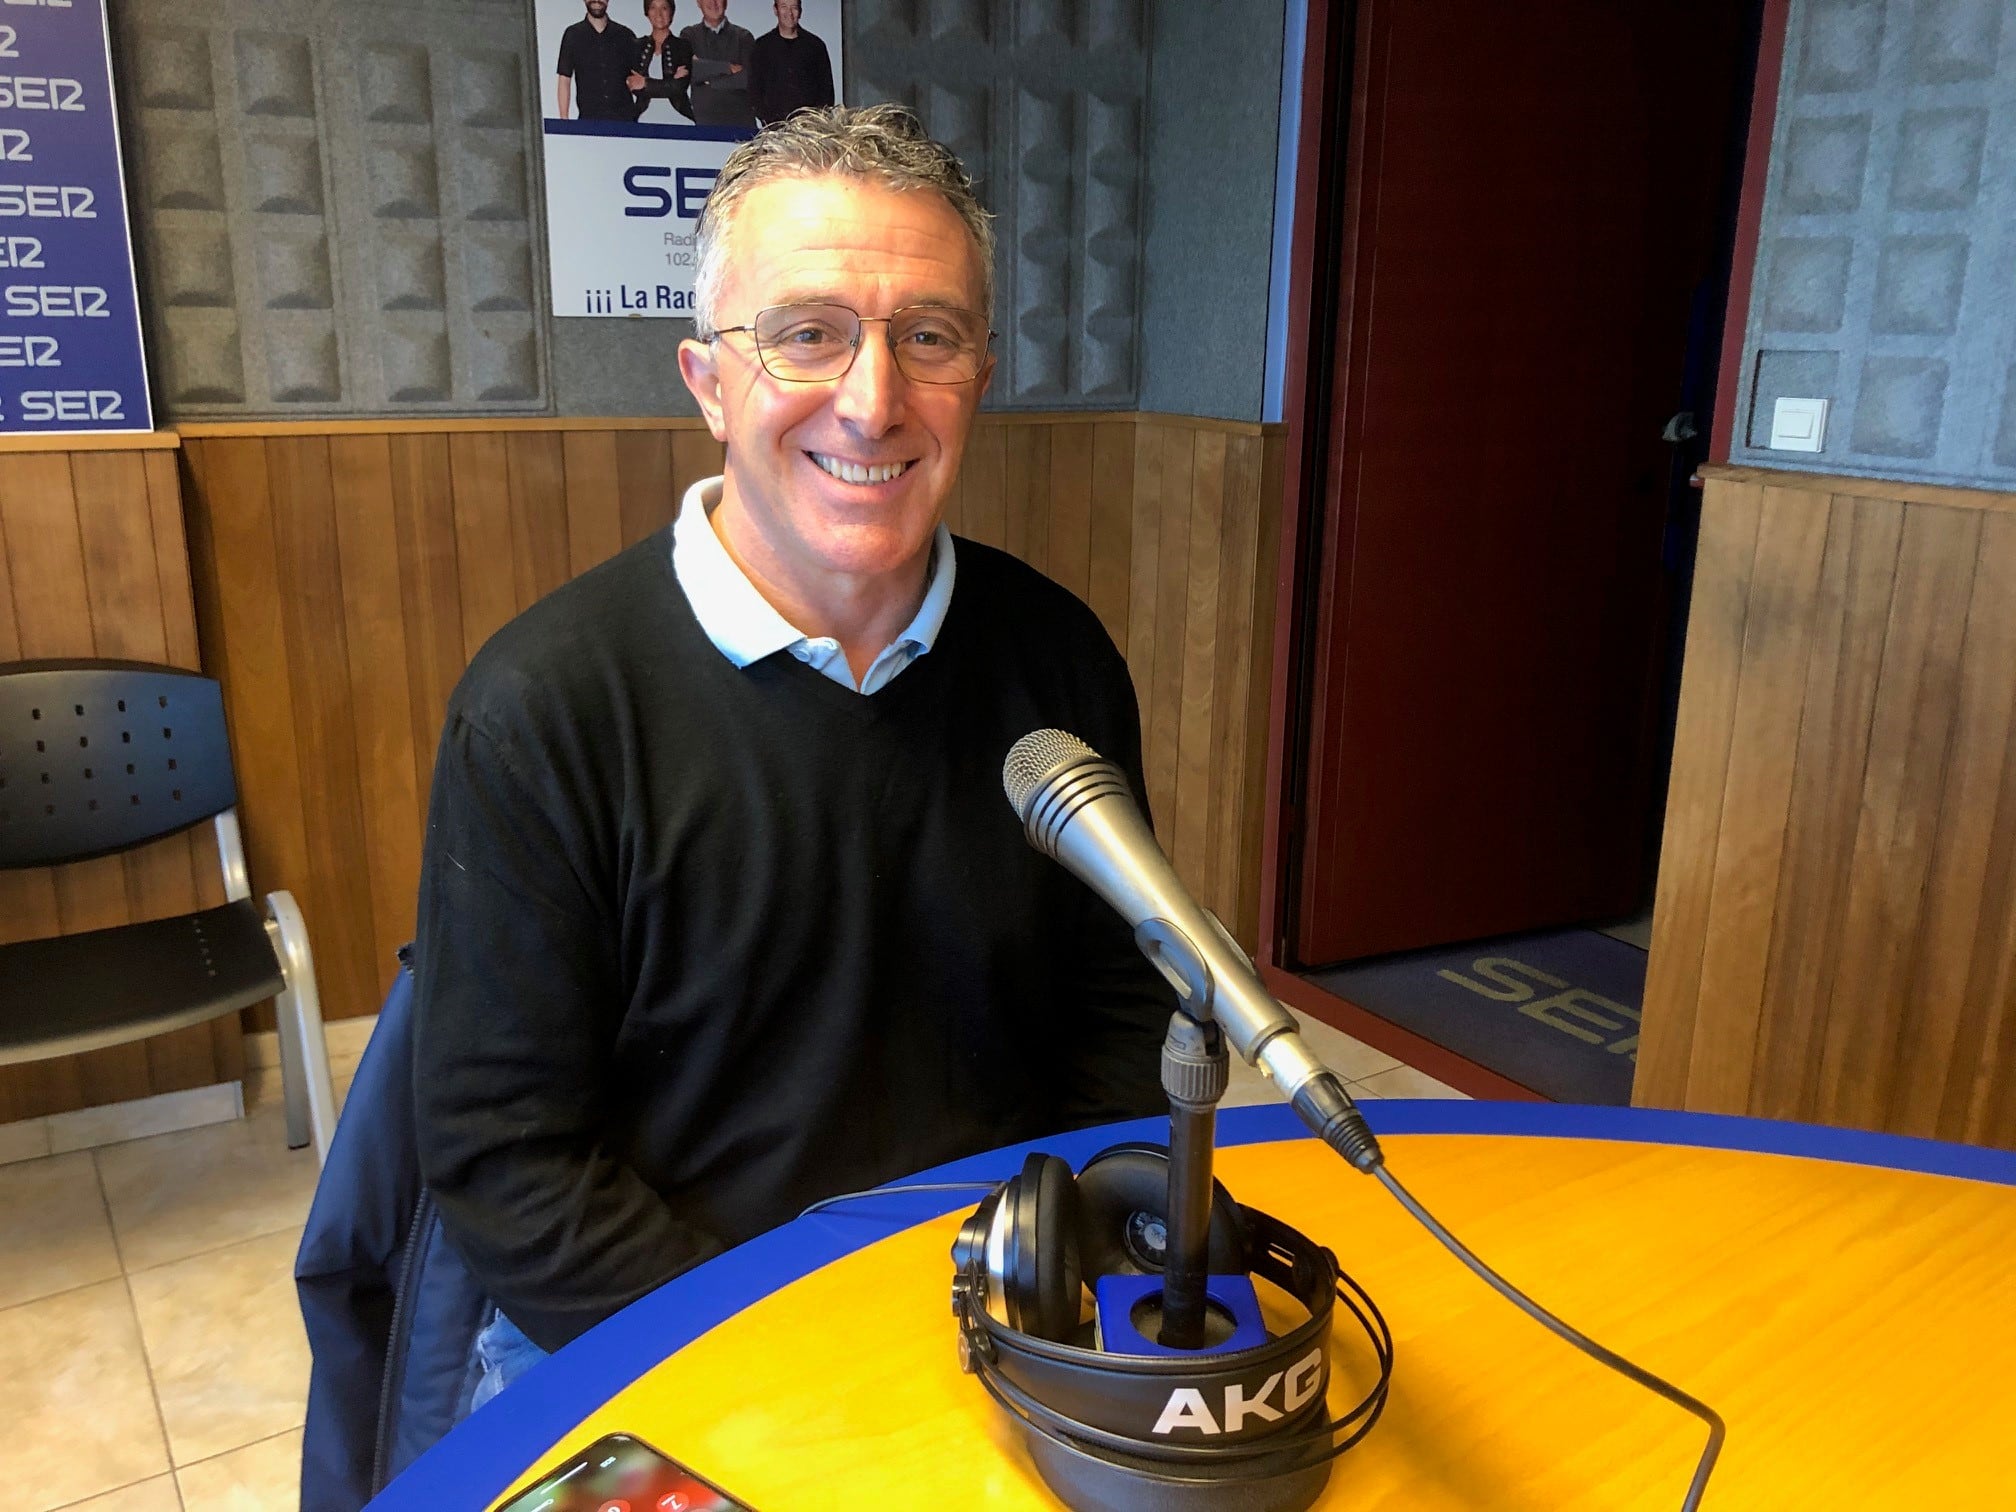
{"x": 70, "y": 351}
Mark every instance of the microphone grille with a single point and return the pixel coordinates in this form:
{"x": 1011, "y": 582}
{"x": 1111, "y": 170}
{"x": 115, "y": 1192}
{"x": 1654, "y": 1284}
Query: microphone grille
{"x": 1034, "y": 757}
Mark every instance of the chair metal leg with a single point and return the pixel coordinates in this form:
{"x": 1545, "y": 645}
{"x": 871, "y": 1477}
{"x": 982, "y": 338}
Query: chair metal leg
{"x": 304, "y": 1054}
{"x": 293, "y": 1076}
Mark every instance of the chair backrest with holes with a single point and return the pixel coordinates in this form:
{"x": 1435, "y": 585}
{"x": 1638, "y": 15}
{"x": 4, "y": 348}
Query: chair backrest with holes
{"x": 99, "y": 756}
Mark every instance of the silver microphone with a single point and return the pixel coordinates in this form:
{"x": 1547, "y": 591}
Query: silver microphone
{"x": 1076, "y": 808}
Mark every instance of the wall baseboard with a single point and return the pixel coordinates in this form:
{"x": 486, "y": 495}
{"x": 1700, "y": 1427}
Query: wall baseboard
{"x": 114, "y": 1123}
{"x": 345, "y": 1038}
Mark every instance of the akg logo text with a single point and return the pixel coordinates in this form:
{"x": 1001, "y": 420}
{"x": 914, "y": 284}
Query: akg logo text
{"x": 1186, "y": 1407}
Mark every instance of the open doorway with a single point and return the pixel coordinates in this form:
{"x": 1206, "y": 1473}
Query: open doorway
{"x": 1517, "y": 274}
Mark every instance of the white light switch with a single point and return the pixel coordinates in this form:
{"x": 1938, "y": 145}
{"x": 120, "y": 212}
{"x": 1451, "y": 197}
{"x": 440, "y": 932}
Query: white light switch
{"x": 1799, "y": 425}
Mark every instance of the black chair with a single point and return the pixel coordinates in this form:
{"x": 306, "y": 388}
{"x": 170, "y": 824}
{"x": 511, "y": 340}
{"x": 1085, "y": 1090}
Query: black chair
{"x": 97, "y": 757}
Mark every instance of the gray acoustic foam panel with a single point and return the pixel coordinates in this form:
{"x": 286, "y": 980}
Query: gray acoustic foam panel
{"x": 337, "y": 205}
{"x": 1886, "y": 266}
{"x": 1213, "y": 135}
{"x": 1046, "y": 102}
{"x": 334, "y": 205}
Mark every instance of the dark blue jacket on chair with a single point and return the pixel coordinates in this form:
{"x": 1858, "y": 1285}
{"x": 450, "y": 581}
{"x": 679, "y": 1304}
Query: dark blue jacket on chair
{"x": 392, "y": 1313}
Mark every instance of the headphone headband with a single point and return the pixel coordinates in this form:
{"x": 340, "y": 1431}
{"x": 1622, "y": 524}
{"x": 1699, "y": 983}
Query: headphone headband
{"x": 1168, "y": 1406}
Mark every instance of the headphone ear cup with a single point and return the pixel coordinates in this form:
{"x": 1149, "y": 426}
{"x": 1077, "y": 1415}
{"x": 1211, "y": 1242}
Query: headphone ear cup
{"x": 1044, "y": 1278}
{"x": 1123, "y": 1209}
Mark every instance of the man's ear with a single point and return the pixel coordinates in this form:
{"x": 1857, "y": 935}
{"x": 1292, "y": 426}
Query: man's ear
{"x": 699, "y": 366}
{"x": 986, "y": 378}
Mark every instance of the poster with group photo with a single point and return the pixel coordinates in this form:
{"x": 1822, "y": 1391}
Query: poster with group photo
{"x": 643, "y": 101}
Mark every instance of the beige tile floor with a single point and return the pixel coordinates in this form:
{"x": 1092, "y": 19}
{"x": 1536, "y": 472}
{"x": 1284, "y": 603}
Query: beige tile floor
{"x": 151, "y": 1356}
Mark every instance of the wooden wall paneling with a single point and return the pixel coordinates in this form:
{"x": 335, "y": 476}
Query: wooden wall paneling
{"x": 178, "y": 616}
{"x": 1194, "y": 754}
{"x": 45, "y": 556}
{"x": 10, "y": 634}
{"x": 695, "y": 455}
{"x": 1942, "y": 1026}
{"x": 594, "y": 498}
{"x": 178, "y": 621}
{"x": 1025, "y": 494}
{"x": 1111, "y": 546}
{"x": 1764, "y": 738}
{"x": 430, "y": 592}
{"x": 171, "y": 560}
{"x": 1175, "y": 498}
{"x": 53, "y": 607}
{"x": 1246, "y": 922}
{"x": 91, "y": 564}
{"x": 227, "y": 515}
{"x": 536, "y": 463}
{"x": 27, "y": 898}
{"x": 115, "y": 531}
{"x": 1979, "y": 1103}
{"x": 991, "y": 486}
{"x": 954, "y": 502}
{"x": 1915, "y": 704}
{"x": 479, "y": 469}
{"x": 123, "y": 577}
{"x": 452, "y": 530}
{"x": 1068, "y": 492}
{"x": 335, "y": 890}
{"x": 1724, "y": 559}
{"x": 381, "y": 698}
{"x": 644, "y": 482}
{"x": 1144, "y": 583}
{"x": 1232, "y": 651}
{"x": 1852, "y": 606}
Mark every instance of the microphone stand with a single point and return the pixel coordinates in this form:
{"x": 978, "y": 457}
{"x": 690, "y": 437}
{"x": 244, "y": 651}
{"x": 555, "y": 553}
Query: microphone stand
{"x": 1195, "y": 1069}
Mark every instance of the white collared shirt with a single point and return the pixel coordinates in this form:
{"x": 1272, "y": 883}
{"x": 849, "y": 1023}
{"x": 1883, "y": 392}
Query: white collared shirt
{"x": 745, "y": 628}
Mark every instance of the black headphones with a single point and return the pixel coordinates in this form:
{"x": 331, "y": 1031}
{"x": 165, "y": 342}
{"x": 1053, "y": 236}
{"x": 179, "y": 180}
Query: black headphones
{"x": 1244, "y": 1429}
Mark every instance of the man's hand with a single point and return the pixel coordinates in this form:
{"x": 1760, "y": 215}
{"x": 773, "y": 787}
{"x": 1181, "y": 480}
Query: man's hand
{"x": 635, "y": 82}
{"x": 734, "y": 68}
{"x": 681, "y": 71}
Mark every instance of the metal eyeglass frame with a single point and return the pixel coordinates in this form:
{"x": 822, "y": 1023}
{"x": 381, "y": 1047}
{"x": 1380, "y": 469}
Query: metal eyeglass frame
{"x": 861, "y": 323}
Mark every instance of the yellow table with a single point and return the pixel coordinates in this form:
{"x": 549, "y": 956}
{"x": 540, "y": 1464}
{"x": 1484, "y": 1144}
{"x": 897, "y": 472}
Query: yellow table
{"x": 1851, "y": 1312}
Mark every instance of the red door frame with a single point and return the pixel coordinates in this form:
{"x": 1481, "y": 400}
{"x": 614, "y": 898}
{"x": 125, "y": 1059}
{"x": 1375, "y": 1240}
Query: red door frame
{"x": 1332, "y": 75}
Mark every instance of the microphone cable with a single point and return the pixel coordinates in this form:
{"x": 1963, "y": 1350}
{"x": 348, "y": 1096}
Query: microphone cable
{"x": 1717, "y": 1429}
{"x": 1328, "y": 1110}
{"x": 890, "y": 1191}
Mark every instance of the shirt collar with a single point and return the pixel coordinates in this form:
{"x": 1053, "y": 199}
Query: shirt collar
{"x": 742, "y": 624}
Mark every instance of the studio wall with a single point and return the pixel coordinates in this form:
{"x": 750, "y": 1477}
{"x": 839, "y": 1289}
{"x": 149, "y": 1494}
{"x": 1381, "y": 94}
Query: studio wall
{"x": 334, "y": 205}
{"x": 1887, "y": 248}
{"x": 1835, "y": 934}
{"x": 345, "y": 574}
{"x": 337, "y": 207}
{"x": 1213, "y": 139}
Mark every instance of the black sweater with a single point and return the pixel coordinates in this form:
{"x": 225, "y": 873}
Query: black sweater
{"x": 699, "y": 945}
{"x": 787, "y": 74}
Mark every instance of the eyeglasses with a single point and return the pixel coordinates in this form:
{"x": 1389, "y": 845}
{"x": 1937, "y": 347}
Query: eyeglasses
{"x": 811, "y": 343}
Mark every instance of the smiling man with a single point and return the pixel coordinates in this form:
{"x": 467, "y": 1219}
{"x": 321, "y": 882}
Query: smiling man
{"x": 723, "y": 909}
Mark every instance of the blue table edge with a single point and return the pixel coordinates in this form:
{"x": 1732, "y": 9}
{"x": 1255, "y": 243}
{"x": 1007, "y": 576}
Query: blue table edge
{"x": 483, "y": 1455}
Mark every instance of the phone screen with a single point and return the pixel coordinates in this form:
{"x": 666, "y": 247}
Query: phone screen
{"x": 623, "y": 1474}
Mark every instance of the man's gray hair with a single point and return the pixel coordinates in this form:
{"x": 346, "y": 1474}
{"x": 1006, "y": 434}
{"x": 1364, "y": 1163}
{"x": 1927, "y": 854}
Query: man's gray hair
{"x": 884, "y": 145}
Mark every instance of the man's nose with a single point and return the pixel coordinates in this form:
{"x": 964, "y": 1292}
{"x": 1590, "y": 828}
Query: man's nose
{"x": 872, "y": 393}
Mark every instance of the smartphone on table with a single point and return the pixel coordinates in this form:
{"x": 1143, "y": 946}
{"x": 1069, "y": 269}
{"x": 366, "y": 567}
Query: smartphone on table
{"x": 621, "y": 1473}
